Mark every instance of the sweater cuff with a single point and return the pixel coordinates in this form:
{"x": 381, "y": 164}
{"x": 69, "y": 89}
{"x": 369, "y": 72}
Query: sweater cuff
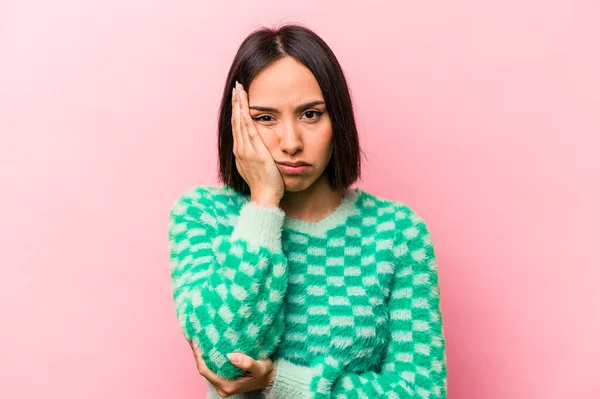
{"x": 291, "y": 380}
{"x": 260, "y": 226}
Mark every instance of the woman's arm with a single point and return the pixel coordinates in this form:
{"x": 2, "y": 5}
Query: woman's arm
{"x": 415, "y": 361}
{"x": 228, "y": 289}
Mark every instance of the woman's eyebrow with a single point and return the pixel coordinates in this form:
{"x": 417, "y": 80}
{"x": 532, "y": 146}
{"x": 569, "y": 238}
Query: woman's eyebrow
{"x": 298, "y": 108}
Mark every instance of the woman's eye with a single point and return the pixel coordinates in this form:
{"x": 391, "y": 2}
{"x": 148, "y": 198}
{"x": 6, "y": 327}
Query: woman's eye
{"x": 315, "y": 114}
{"x": 312, "y": 115}
{"x": 260, "y": 118}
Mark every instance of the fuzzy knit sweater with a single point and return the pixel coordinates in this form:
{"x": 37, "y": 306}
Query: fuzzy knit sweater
{"x": 346, "y": 307}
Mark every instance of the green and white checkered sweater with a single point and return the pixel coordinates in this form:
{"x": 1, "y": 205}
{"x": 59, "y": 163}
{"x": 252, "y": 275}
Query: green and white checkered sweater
{"x": 346, "y": 307}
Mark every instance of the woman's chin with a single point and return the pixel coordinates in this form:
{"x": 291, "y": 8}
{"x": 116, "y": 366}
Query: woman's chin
{"x": 294, "y": 185}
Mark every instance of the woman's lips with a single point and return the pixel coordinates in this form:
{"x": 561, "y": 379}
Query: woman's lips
{"x": 293, "y": 170}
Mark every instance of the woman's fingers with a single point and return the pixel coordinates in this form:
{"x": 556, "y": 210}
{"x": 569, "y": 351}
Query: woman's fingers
{"x": 248, "y": 126}
{"x": 245, "y": 140}
{"x": 247, "y": 123}
{"x": 236, "y": 122}
{"x": 245, "y": 128}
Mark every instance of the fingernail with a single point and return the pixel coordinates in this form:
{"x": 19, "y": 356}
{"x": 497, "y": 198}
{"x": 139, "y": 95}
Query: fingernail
{"x": 237, "y": 84}
{"x": 235, "y": 358}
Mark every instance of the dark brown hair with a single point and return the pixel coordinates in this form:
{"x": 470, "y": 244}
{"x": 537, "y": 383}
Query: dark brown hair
{"x": 259, "y": 50}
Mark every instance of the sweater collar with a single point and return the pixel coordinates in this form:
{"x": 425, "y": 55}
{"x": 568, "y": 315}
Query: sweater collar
{"x": 338, "y": 217}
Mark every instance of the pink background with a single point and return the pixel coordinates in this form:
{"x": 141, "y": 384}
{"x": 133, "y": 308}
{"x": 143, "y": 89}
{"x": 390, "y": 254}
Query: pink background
{"x": 483, "y": 116}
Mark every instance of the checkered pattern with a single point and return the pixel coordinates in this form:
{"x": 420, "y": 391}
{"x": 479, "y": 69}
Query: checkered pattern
{"x": 228, "y": 286}
{"x": 356, "y": 313}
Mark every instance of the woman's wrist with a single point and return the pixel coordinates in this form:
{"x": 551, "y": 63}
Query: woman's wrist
{"x": 266, "y": 200}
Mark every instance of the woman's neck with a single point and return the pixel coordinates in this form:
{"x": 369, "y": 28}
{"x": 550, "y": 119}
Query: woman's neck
{"x": 313, "y": 204}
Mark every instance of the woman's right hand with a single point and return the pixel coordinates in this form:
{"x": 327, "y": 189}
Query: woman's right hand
{"x": 252, "y": 157}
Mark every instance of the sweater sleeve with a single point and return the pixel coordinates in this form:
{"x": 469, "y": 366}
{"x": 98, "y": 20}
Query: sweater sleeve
{"x": 414, "y": 365}
{"x": 228, "y": 285}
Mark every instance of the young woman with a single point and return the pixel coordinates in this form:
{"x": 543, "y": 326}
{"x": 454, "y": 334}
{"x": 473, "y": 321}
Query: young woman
{"x": 287, "y": 282}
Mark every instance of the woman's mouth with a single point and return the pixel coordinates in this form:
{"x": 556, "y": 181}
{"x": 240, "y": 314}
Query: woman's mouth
{"x": 292, "y": 170}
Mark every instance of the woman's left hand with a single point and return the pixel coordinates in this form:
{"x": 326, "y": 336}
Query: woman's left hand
{"x": 257, "y": 376}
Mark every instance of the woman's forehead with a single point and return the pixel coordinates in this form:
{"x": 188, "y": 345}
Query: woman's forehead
{"x": 286, "y": 81}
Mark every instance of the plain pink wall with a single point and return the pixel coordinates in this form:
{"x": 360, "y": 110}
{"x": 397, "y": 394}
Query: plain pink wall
{"x": 483, "y": 116}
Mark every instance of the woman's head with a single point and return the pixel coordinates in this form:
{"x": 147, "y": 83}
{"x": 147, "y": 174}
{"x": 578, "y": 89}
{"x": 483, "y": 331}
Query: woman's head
{"x": 300, "y": 104}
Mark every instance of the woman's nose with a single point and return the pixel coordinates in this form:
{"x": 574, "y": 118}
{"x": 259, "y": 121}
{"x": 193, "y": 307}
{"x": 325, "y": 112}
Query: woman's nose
{"x": 290, "y": 138}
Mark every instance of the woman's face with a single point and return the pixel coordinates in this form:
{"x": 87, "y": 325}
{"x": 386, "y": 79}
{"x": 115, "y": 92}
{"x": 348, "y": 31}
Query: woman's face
{"x": 293, "y": 127}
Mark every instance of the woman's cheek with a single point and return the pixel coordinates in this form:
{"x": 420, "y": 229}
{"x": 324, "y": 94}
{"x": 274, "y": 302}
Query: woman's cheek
{"x": 268, "y": 135}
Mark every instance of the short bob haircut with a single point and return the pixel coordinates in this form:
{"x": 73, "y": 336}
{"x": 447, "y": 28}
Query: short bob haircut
{"x": 259, "y": 50}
